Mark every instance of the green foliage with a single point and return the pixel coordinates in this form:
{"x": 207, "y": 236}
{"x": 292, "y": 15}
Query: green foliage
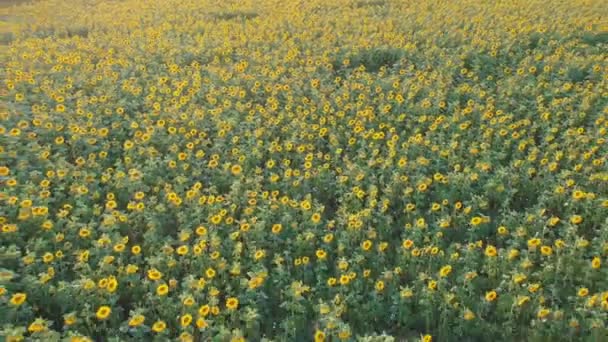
{"x": 371, "y": 59}
{"x": 229, "y": 15}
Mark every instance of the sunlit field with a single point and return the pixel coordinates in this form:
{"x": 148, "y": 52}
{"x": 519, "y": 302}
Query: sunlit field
{"x": 319, "y": 170}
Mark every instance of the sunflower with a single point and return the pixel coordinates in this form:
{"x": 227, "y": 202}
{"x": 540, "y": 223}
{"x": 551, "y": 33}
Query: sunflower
{"x": 319, "y": 336}
{"x": 596, "y": 263}
{"x": 445, "y": 271}
{"x": 18, "y": 298}
{"x": 232, "y": 303}
{"x": 159, "y": 326}
{"x": 236, "y": 169}
{"x": 162, "y": 289}
{"x": 103, "y": 312}
{"x": 136, "y": 320}
{"x": 490, "y": 251}
{"x": 185, "y": 320}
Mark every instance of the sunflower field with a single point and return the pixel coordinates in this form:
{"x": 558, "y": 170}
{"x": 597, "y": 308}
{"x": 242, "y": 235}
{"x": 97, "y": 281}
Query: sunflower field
{"x": 313, "y": 170}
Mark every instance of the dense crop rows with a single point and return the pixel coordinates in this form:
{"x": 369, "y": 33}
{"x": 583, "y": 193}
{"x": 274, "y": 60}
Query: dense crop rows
{"x": 304, "y": 170}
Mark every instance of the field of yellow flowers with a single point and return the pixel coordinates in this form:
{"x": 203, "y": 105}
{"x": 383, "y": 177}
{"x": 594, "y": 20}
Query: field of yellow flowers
{"x": 285, "y": 170}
